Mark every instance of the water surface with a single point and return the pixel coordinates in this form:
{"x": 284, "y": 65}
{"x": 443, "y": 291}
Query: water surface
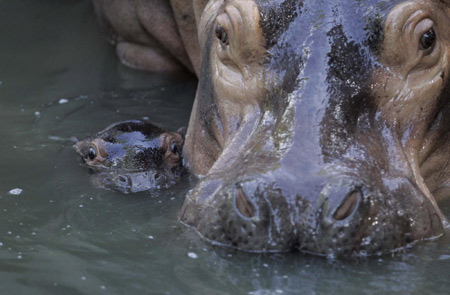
{"x": 60, "y": 235}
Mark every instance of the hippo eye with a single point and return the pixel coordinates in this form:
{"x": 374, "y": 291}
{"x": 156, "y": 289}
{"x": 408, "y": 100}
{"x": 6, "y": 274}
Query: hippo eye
{"x": 427, "y": 40}
{"x": 92, "y": 153}
{"x": 222, "y": 35}
{"x": 174, "y": 148}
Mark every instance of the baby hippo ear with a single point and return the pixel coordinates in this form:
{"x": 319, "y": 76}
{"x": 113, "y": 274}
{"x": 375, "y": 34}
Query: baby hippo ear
{"x": 182, "y": 131}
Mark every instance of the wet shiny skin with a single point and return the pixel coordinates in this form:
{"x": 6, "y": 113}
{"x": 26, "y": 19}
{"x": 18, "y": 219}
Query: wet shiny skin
{"x": 133, "y": 156}
{"x": 325, "y": 152}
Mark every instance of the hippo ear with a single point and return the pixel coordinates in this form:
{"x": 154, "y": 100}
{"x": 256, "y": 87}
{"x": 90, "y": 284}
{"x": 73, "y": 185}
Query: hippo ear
{"x": 182, "y": 131}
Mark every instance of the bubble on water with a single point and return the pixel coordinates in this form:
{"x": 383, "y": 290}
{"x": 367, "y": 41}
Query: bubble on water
{"x": 366, "y": 241}
{"x": 444, "y": 257}
{"x": 192, "y": 255}
{"x": 81, "y": 206}
{"x": 103, "y": 287}
{"x": 1, "y": 244}
{"x": 279, "y": 291}
{"x": 1, "y": 83}
{"x": 265, "y": 265}
{"x": 150, "y": 237}
{"x": 63, "y": 100}
{"x": 83, "y": 278}
{"x": 37, "y": 115}
{"x": 15, "y": 191}
{"x": 33, "y": 233}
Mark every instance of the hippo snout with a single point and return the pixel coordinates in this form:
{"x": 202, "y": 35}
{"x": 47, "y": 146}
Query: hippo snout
{"x": 345, "y": 216}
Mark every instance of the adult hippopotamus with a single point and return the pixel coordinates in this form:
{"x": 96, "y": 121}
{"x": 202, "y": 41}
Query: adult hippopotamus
{"x": 321, "y": 126}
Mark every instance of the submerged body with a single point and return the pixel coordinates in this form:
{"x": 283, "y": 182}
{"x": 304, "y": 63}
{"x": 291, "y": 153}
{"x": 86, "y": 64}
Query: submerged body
{"x": 133, "y": 156}
{"x": 321, "y": 127}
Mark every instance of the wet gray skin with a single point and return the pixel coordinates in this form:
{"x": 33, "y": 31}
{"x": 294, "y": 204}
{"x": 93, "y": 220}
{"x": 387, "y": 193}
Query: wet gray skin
{"x": 319, "y": 126}
{"x": 133, "y": 156}
{"x": 322, "y": 125}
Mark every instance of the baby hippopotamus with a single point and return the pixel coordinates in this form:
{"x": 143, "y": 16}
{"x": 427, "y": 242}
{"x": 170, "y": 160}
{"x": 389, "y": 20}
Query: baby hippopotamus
{"x": 133, "y": 156}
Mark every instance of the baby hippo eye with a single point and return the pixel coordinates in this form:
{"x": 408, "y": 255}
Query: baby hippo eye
{"x": 174, "y": 148}
{"x": 427, "y": 40}
{"x": 92, "y": 153}
{"x": 222, "y": 35}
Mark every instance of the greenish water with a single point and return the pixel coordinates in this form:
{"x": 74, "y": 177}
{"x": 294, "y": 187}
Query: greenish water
{"x": 61, "y": 235}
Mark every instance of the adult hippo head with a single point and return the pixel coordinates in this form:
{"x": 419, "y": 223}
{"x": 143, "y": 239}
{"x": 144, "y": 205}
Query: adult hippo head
{"x": 318, "y": 127}
{"x": 322, "y": 128}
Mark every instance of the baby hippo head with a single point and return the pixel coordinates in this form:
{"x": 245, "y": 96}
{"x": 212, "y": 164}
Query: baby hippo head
{"x": 133, "y": 156}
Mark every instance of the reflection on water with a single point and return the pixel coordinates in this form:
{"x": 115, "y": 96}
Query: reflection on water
{"x": 60, "y": 235}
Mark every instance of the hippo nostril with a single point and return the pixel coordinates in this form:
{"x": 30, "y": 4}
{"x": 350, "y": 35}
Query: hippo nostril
{"x": 243, "y": 205}
{"x": 348, "y": 206}
{"x": 122, "y": 178}
{"x": 156, "y": 176}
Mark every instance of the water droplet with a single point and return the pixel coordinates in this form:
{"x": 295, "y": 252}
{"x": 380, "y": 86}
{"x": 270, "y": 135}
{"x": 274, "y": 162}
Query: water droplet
{"x": 192, "y": 255}
{"x": 16, "y": 191}
{"x": 63, "y": 100}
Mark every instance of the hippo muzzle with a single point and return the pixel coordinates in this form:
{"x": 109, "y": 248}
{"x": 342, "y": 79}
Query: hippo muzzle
{"x": 314, "y": 127}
